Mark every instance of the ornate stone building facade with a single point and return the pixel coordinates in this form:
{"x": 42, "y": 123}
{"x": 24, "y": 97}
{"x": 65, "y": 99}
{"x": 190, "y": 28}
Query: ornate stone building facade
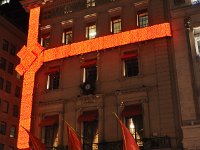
{"x": 148, "y": 81}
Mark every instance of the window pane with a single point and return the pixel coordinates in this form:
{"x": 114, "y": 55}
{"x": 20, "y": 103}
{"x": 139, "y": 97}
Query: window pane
{"x": 3, "y": 63}
{"x": 5, "y": 45}
{"x": 5, "y": 106}
{"x": 17, "y": 91}
{"x": 90, "y": 3}
{"x": 13, "y": 50}
{"x": 12, "y": 131}
{"x": 45, "y": 40}
{"x": 10, "y": 68}
{"x": 91, "y": 74}
{"x": 131, "y": 67}
{"x": 3, "y": 127}
{"x": 1, "y": 83}
{"x": 53, "y": 80}
{"x": 67, "y": 36}
{"x": 15, "y": 111}
{"x": 8, "y": 87}
{"x": 143, "y": 20}
{"x": 116, "y": 25}
{"x": 91, "y": 31}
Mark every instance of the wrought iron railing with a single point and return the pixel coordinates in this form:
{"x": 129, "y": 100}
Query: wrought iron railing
{"x": 148, "y": 144}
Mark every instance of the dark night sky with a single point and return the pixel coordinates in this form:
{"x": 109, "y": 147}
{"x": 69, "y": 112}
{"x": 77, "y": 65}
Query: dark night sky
{"x": 15, "y": 14}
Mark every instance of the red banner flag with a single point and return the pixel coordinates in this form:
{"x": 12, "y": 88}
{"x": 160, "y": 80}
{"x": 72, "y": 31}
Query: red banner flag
{"x": 37, "y": 144}
{"x": 129, "y": 142}
{"x": 74, "y": 142}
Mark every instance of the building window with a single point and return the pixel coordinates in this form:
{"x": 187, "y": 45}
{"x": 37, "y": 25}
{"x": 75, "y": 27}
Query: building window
{"x": 134, "y": 121}
{"x": 10, "y": 68}
{"x": 15, "y": 111}
{"x": 67, "y": 36}
{"x": 91, "y": 31}
{"x": 17, "y": 91}
{"x": 197, "y": 40}
{"x": 8, "y": 87}
{"x": 142, "y": 18}
{"x": 3, "y": 127}
{"x": 53, "y": 80}
{"x": 45, "y": 40}
{"x": 12, "y": 131}
{"x": 12, "y": 50}
{"x": 1, "y": 146}
{"x": 178, "y": 2}
{"x": 130, "y": 64}
{"x": 5, "y": 45}
{"x": 90, "y": 3}
{"x": 1, "y": 83}
{"x": 5, "y": 106}
{"x": 3, "y": 63}
{"x": 2, "y": 2}
{"x": 115, "y": 25}
{"x": 195, "y": 2}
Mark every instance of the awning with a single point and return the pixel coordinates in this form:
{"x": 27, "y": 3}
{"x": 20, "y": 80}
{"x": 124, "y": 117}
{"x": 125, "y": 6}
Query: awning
{"x": 132, "y": 110}
{"x": 129, "y": 55}
{"x": 89, "y": 63}
{"x": 88, "y": 116}
{"x": 49, "y": 121}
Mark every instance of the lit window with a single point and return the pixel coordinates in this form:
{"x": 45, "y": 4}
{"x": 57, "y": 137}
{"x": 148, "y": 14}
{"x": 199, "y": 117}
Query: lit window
{"x": 1, "y": 83}
{"x": 3, "y": 127}
{"x": 5, "y": 45}
{"x": 67, "y": 36}
{"x": 45, "y": 40}
{"x": 10, "y": 68}
{"x": 115, "y": 25}
{"x": 90, "y": 3}
{"x": 134, "y": 121}
{"x": 5, "y": 106}
{"x": 195, "y": 2}
{"x": 142, "y": 18}
{"x": 53, "y": 80}
{"x": 12, "y": 131}
{"x": 197, "y": 40}
{"x": 91, "y": 31}
{"x": 3, "y": 63}
{"x": 130, "y": 64}
{"x": 15, "y": 111}
{"x": 4, "y": 2}
{"x": 8, "y": 87}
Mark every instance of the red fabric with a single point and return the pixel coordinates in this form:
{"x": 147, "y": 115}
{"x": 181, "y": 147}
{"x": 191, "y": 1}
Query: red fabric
{"x": 129, "y": 142}
{"x": 37, "y": 144}
{"x": 89, "y": 63}
{"x": 129, "y": 55}
{"x": 88, "y": 116}
{"x": 49, "y": 121}
{"x": 132, "y": 110}
{"x": 74, "y": 142}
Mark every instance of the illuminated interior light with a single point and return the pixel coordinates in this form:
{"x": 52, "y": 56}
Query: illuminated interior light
{"x": 33, "y": 56}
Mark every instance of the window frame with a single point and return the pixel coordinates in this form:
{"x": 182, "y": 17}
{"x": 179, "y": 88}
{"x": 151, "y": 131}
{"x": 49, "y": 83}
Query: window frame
{"x": 15, "y": 111}
{"x": 12, "y": 133}
{"x": 8, "y": 87}
{"x": 67, "y": 33}
{"x": 10, "y": 69}
{"x": 3, "y": 127}
{"x": 53, "y": 80}
{"x": 45, "y": 40}
{"x": 89, "y": 30}
{"x": 5, "y": 45}
{"x": 142, "y": 18}
{"x": 114, "y": 21}
{"x": 1, "y": 83}
{"x": 5, "y": 106}
{"x": 3, "y": 63}
{"x": 90, "y": 3}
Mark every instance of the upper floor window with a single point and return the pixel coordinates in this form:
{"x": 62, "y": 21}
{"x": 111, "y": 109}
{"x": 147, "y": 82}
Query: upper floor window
{"x": 67, "y": 36}
{"x": 15, "y": 111}
{"x": 10, "y": 68}
{"x": 89, "y": 71}
{"x": 3, "y": 63}
{"x": 5, "y": 106}
{"x": 130, "y": 64}
{"x": 142, "y": 18}
{"x": 12, "y": 50}
{"x": 197, "y": 40}
{"x": 17, "y": 91}
{"x": 1, "y": 83}
{"x": 5, "y": 45}
{"x": 3, "y": 127}
{"x": 53, "y": 80}
{"x": 195, "y": 2}
{"x": 115, "y": 25}
{"x": 91, "y": 31}
{"x": 8, "y": 87}
{"x": 90, "y": 3}
{"x": 45, "y": 40}
{"x": 4, "y": 2}
{"x": 12, "y": 131}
